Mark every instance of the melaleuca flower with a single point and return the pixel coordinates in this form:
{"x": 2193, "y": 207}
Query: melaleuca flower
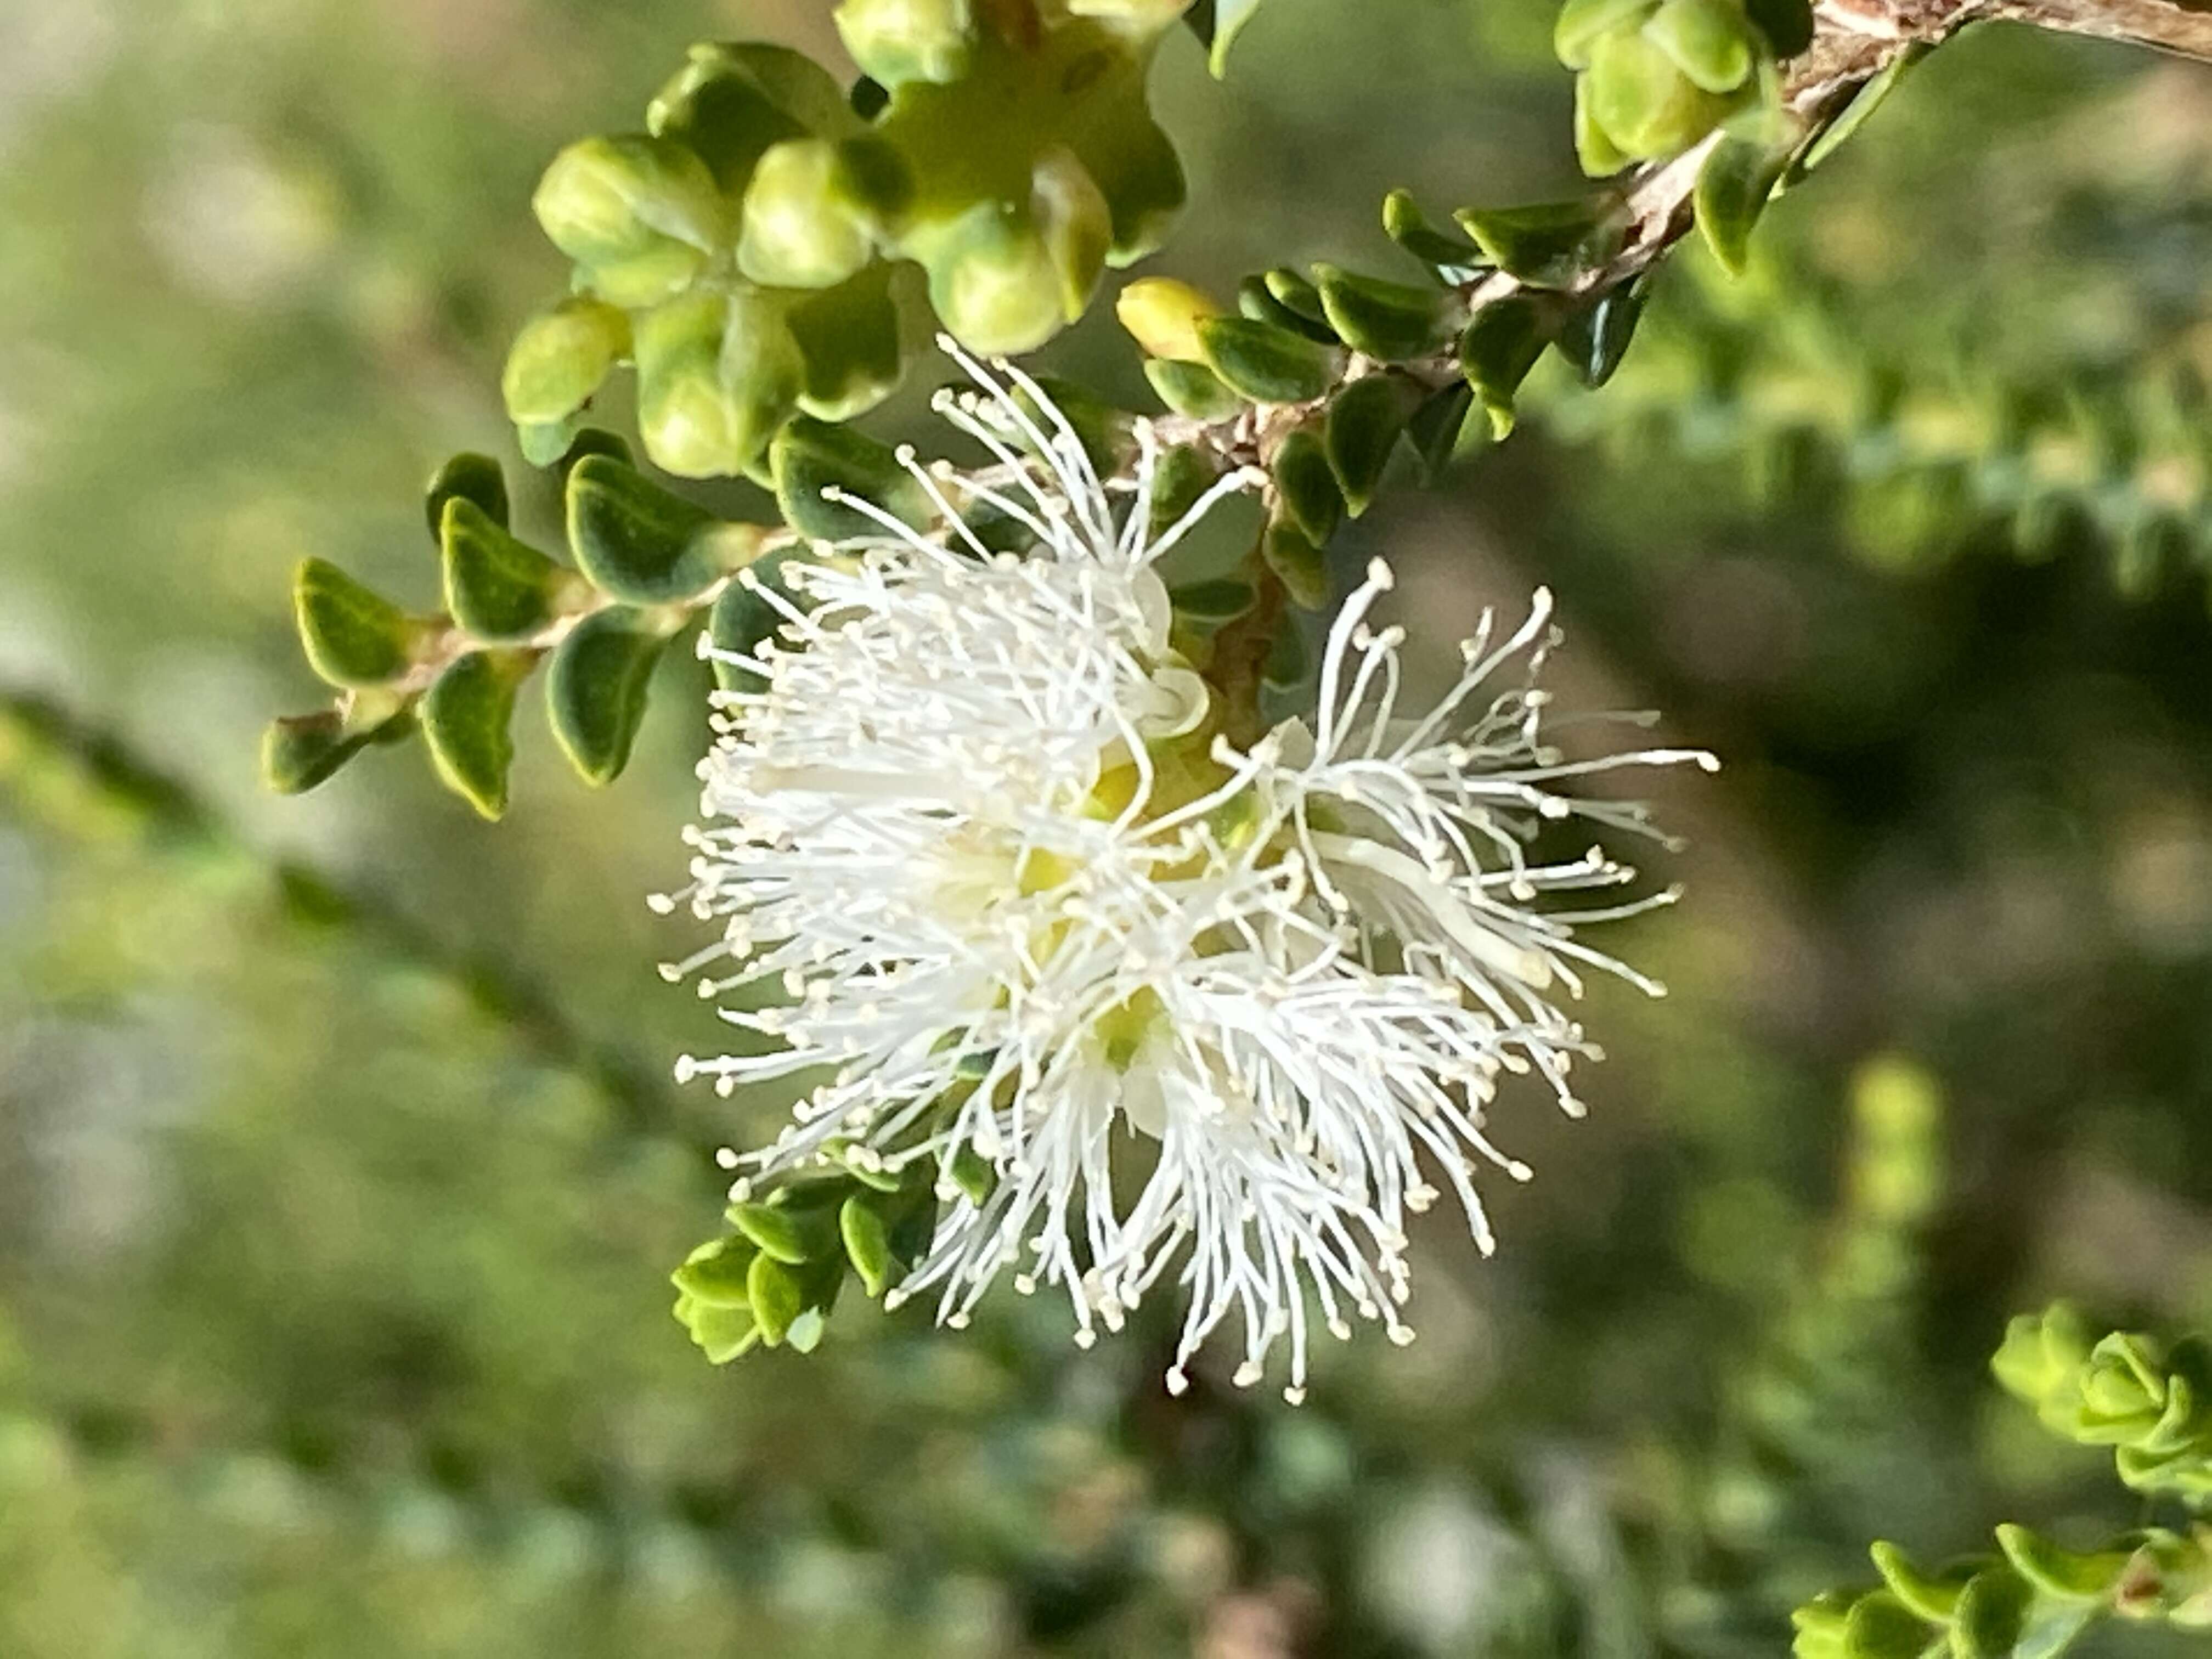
{"x": 1145, "y": 1003}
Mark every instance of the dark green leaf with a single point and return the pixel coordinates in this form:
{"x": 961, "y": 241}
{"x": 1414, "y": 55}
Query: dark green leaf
{"x": 1364, "y": 420}
{"x": 468, "y": 476}
{"x": 1267, "y": 364}
{"x": 465, "y": 717}
{"x": 1595, "y": 337}
{"x": 1500, "y": 346}
{"x": 496, "y": 588}
{"x": 809, "y": 456}
{"x": 1217, "y": 22}
{"x": 1787, "y": 24}
{"x": 302, "y": 750}
{"x": 1307, "y": 486}
{"x": 1297, "y": 564}
{"x": 1435, "y": 428}
{"x": 973, "y": 1174}
{"x": 642, "y": 544}
{"x": 352, "y": 636}
{"x": 855, "y": 340}
{"x": 1388, "y": 321}
{"x": 1548, "y": 244}
{"x": 591, "y": 440}
{"x": 1220, "y": 600}
{"x": 1256, "y": 301}
{"x": 1183, "y": 475}
{"x": 1293, "y": 290}
{"x": 742, "y": 617}
{"x": 1192, "y": 389}
{"x": 1288, "y": 660}
{"x": 1734, "y": 185}
{"x": 1992, "y": 1612}
{"x": 596, "y": 689}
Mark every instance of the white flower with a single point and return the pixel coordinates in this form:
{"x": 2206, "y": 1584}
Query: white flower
{"x": 1225, "y": 1014}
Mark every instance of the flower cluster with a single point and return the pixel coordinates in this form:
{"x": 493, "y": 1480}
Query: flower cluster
{"x": 995, "y": 887}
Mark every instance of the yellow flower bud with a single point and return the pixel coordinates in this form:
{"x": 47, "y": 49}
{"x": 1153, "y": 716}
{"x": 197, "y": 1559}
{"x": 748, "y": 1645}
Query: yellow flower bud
{"x": 894, "y": 41}
{"x": 1163, "y": 316}
{"x": 800, "y": 228}
{"x": 641, "y": 214}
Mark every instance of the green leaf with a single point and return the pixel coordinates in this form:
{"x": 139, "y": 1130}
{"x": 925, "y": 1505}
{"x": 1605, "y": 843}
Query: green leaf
{"x": 1297, "y": 564}
{"x": 1500, "y": 346}
{"x": 1594, "y": 338}
{"x": 775, "y": 1295}
{"x": 1436, "y": 426}
{"x": 743, "y": 617}
{"x": 1219, "y": 600}
{"x": 1864, "y": 102}
{"x": 1991, "y": 1614}
{"x": 1388, "y": 321}
{"x": 2059, "y": 1572}
{"x": 856, "y": 339}
{"x": 1183, "y": 475}
{"x": 714, "y": 1273}
{"x": 465, "y": 717}
{"x": 1787, "y": 24}
{"x": 1288, "y": 660}
{"x": 1256, "y": 301}
{"x": 973, "y": 1174}
{"x": 1580, "y": 22}
{"x": 1294, "y": 291}
{"x": 1880, "y": 1626}
{"x": 496, "y": 588}
{"x": 1364, "y": 422}
{"x": 1546, "y": 244}
{"x": 1709, "y": 41}
{"x": 1733, "y": 186}
{"x": 642, "y": 544}
{"x": 722, "y": 1334}
{"x": 773, "y": 1231}
{"x": 594, "y": 441}
{"x": 867, "y": 1243}
{"x": 1307, "y": 486}
{"x": 470, "y": 478}
{"x": 809, "y": 456}
{"x": 560, "y": 359}
{"x": 596, "y": 689}
{"x": 299, "y": 751}
{"x": 1267, "y": 364}
{"x": 1405, "y": 223}
{"x": 1192, "y": 389}
{"x": 352, "y": 636}
{"x": 1930, "y": 1597}
{"x": 545, "y": 444}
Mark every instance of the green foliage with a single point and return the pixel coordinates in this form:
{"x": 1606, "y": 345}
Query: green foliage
{"x": 1655, "y": 76}
{"x": 2150, "y": 1403}
{"x": 646, "y": 562}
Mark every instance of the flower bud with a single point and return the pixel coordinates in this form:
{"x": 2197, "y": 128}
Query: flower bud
{"x": 992, "y": 280}
{"x": 641, "y": 214}
{"x": 894, "y": 41}
{"x": 2042, "y": 1354}
{"x": 801, "y": 228}
{"x": 559, "y": 359}
{"x": 717, "y": 375}
{"x": 729, "y": 103}
{"x": 1163, "y": 315}
{"x": 1078, "y": 228}
{"x": 1642, "y": 103}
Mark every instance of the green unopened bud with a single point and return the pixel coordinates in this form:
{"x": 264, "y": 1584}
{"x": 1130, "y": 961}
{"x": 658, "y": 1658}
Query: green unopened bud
{"x": 1711, "y": 41}
{"x": 1642, "y": 103}
{"x": 641, "y": 214}
{"x": 1076, "y": 224}
{"x": 717, "y": 375}
{"x": 991, "y": 281}
{"x": 729, "y": 103}
{"x": 802, "y": 227}
{"x": 894, "y": 41}
{"x": 2128, "y": 1399}
{"x": 560, "y": 358}
{"x": 1821, "y": 1625}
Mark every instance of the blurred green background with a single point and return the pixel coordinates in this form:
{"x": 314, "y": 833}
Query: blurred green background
{"x": 338, "y": 1177}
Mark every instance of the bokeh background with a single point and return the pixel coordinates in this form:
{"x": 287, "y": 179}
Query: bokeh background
{"x": 339, "y": 1176}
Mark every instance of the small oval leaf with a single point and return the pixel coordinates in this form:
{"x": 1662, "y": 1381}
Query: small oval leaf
{"x": 496, "y": 588}
{"x": 1389, "y": 321}
{"x": 640, "y": 543}
{"x": 1364, "y": 422}
{"x": 809, "y": 456}
{"x": 1267, "y": 364}
{"x": 352, "y": 636}
{"x": 1307, "y": 485}
{"x": 465, "y": 716}
{"x": 597, "y": 687}
{"x": 470, "y": 478}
